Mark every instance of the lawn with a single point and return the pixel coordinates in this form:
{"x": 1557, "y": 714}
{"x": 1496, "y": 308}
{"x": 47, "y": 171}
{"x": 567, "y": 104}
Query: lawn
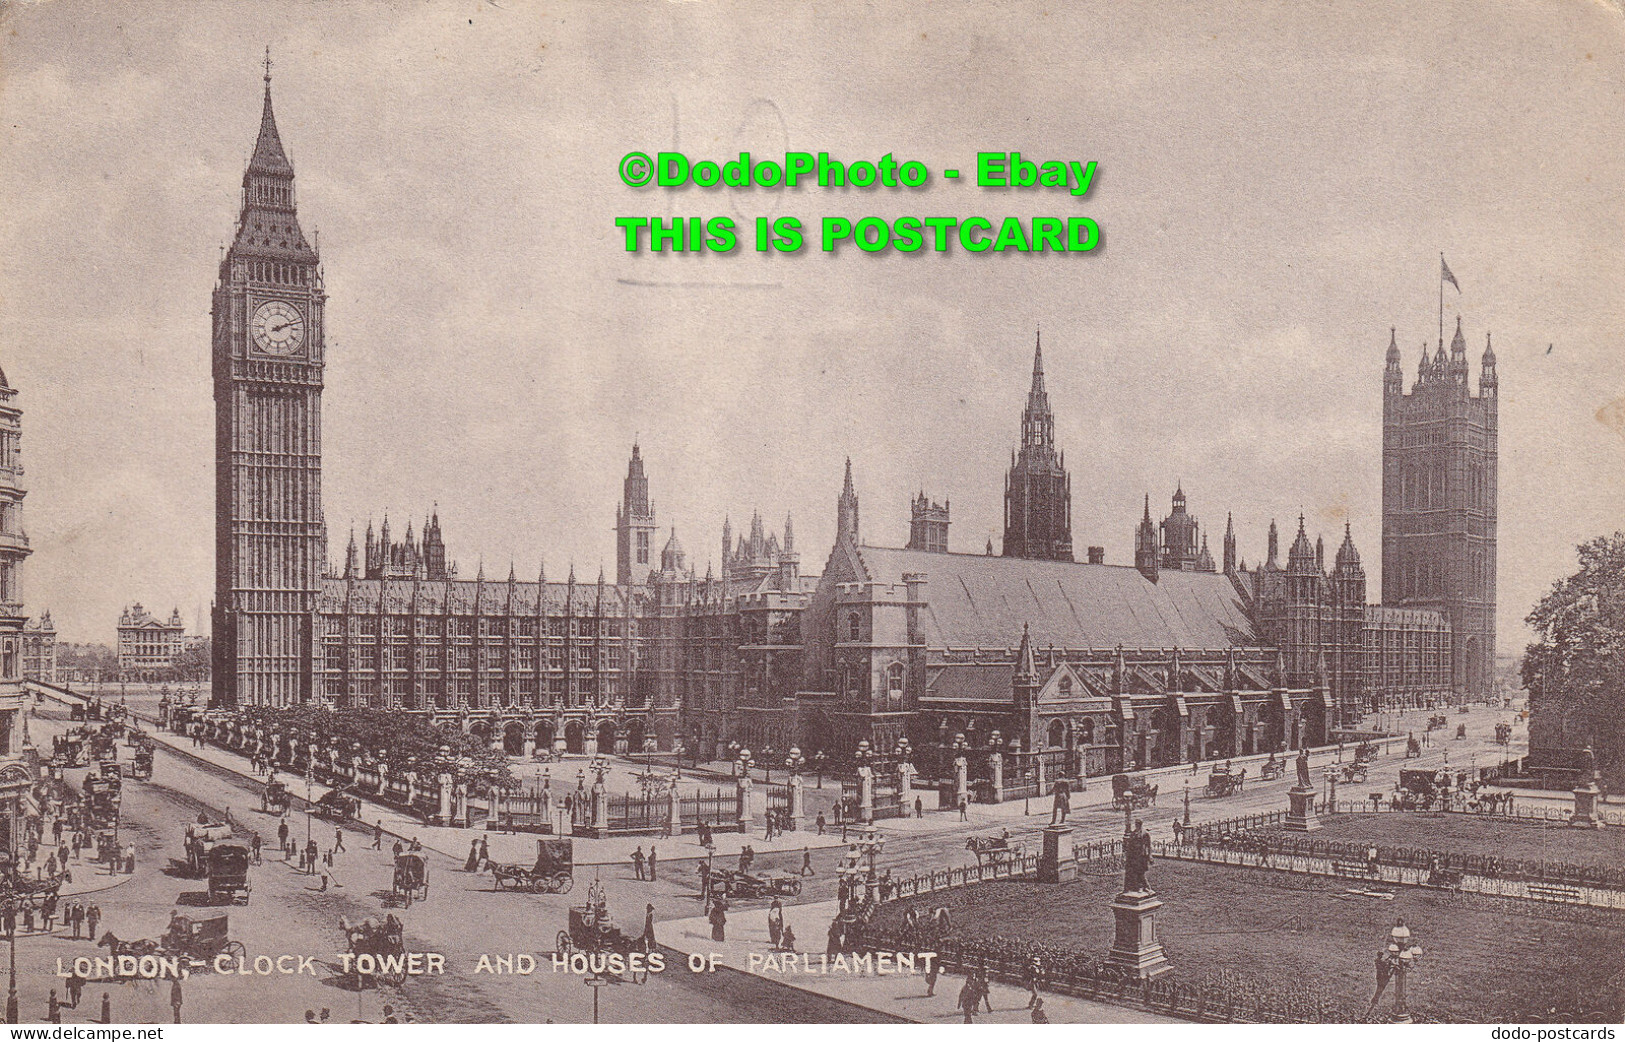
{"x": 1504, "y": 838}
{"x": 1485, "y": 960}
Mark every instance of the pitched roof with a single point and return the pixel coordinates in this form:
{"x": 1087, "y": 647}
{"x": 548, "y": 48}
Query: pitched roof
{"x": 269, "y": 158}
{"x": 979, "y": 601}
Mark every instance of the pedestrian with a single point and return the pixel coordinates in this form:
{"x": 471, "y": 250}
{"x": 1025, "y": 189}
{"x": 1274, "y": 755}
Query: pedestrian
{"x": 787, "y": 943}
{"x": 984, "y": 987}
{"x": 931, "y": 970}
{"x": 282, "y": 837}
{"x": 649, "y": 927}
{"x": 964, "y": 807}
{"x": 107, "y": 1008}
{"x": 968, "y": 999}
{"x": 76, "y": 987}
{"x": 48, "y": 913}
{"x": 485, "y": 852}
{"x": 821, "y": 823}
{"x": 56, "y": 831}
{"x": 399, "y": 850}
{"x": 257, "y": 843}
{"x": 653, "y": 858}
{"x": 775, "y": 922}
{"x": 312, "y": 852}
{"x": 378, "y": 836}
{"x": 719, "y": 920}
{"x": 338, "y": 839}
{"x": 919, "y": 807}
{"x": 78, "y": 913}
{"x": 93, "y": 915}
{"x": 637, "y": 863}
{"x": 473, "y": 861}
{"x": 175, "y": 998}
{"x": 806, "y": 861}
{"x": 129, "y": 860}
{"x": 28, "y": 918}
{"x": 1035, "y": 973}
{"x": 53, "y": 1009}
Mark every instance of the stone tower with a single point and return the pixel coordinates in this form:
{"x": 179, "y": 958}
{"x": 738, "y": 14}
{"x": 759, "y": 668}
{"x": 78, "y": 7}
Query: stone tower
{"x": 1439, "y": 499}
{"x": 270, "y": 540}
{"x": 634, "y": 526}
{"x": 928, "y": 525}
{"x": 1037, "y": 491}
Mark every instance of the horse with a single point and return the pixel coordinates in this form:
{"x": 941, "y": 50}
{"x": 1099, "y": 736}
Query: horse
{"x": 116, "y": 947}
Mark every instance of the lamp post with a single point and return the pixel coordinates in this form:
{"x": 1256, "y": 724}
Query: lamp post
{"x": 1187, "y": 801}
{"x": 818, "y": 762}
{"x": 767, "y": 765}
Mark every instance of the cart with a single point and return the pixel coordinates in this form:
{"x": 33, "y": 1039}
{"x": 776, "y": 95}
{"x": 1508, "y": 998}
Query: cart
{"x": 592, "y": 931}
{"x": 228, "y": 873}
{"x": 1129, "y": 793}
{"x": 141, "y": 766}
{"x": 275, "y": 798}
{"x": 385, "y": 942}
{"x": 1354, "y": 773}
{"x": 336, "y": 805}
{"x": 1225, "y": 783}
{"x": 411, "y": 882}
{"x": 201, "y": 939}
{"x": 756, "y": 884}
{"x": 201, "y": 838}
{"x": 553, "y": 872}
{"x": 1272, "y": 769}
{"x": 993, "y": 849}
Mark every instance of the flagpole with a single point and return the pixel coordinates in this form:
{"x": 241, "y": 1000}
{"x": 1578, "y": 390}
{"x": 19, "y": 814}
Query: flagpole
{"x": 1441, "y": 300}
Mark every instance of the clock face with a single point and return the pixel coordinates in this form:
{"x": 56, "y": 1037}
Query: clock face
{"x": 278, "y": 328}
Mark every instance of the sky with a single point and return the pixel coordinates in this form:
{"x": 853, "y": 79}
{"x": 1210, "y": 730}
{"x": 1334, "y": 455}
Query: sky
{"x": 1275, "y": 184}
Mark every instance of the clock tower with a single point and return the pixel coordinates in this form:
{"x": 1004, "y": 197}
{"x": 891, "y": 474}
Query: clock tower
{"x": 270, "y": 540}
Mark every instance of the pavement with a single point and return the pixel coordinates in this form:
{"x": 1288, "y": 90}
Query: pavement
{"x": 895, "y": 994}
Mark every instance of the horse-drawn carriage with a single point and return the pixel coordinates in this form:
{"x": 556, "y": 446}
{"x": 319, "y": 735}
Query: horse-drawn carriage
{"x": 591, "y": 930}
{"x": 68, "y": 750}
{"x": 993, "y": 849}
{"x": 274, "y": 800}
{"x": 201, "y": 838}
{"x": 1226, "y": 782}
{"x": 1421, "y": 790}
{"x": 1353, "y": 773}
{"x": 553, "y": 872}
{"x": 1272, "y": 769}
{"x": 411, "y": 881}
{"x": 141, "y": 766}
{"x": 1129, "y": 793}
{"x": 385, "y": 942}
{"x": 731, "y": 883}
{"x": 102, "y": 747}
{"x": 228, "y": 872}
{"x": 200, "y": 939}
{"x": 337, "y": 805}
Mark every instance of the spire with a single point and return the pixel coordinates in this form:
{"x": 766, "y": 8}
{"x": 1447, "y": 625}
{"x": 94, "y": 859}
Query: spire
{"x": 1147, "y": 507}
{"x": 269, "y": 157}
{"x": 1038, "y": 365}
{"x": 846, "y": 511}
{"x": 541, "y": 572}
{"x": 1393, "y": 347}
{"x": 1272, "y": 563}
{"x": 1229, "y": 543}
{"x": 513, "y": 576}
{"x": 1026, "y": 668}
{"x": 1348, "y": 558}
{"x": 789, "y": 535}
{"x": 1458, "y": 343}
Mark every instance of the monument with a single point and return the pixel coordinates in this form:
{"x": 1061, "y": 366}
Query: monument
{"x": 1300, "y": 814}
{"x": 1587, "y": 793}
{"x": 1136, "y": 951}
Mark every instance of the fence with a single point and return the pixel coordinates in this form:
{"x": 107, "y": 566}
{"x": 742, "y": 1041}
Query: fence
{"x": 639, "y": 814}
{"x": 1610, "y": 815}
{"x": 718, "y": 809}
{"x": 1425, "y": 860}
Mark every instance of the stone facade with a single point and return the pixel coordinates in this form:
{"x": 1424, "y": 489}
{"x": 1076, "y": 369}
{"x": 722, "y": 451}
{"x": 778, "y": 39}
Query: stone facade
{"x": 39, "y": 649}
{"x": 18, "y": 763}
{"x": 147, "y": 643}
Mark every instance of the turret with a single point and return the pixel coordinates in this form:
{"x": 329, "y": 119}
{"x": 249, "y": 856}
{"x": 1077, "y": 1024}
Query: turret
{"x": 1145, "y": 544}
{"x": 1300, "y": 560}
{"x": 1457, "y": 366}
{"x": 1487, "y": 383}
{"x": 846, "y": 509}
{"x": 1393, "y": 378}
{"x": 1230, "y": 562}
{"x": 1272, "y": 563}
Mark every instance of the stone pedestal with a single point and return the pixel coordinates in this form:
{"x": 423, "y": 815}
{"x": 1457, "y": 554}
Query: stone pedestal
{"x": 1585, "y": 807}
{"x": 1136, "y": 950}
{"x": 746, "y": 814}
{"x": 1300, "y": 815}
{"x": 961, "y": 781}
{"x": 866, "y": 795}
{"x": 798, "y": 804}
{"x": 1058, "y": 863}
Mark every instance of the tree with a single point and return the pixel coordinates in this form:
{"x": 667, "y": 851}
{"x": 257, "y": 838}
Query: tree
{"x": 193, "y": 662}
{"x": 1575, "y": 672}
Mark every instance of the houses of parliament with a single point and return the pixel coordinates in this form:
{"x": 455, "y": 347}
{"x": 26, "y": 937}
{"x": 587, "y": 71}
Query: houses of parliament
{"x": 1093, "y": 665}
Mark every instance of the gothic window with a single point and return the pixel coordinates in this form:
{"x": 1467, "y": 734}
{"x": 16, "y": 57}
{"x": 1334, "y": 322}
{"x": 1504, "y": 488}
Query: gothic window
{"x": 1086, "y": 733}
{"x": 894, "y": 685}
{"x": 1056, "y": 738}
{"x": 643, "y": 547}
{"x": 1066, "y": 687}
{"x": 854, "y": 628}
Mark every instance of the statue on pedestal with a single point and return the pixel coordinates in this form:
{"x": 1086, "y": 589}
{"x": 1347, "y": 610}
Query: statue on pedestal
{"x": 1303, "y": 769}
{"x": 1136, "y": 859}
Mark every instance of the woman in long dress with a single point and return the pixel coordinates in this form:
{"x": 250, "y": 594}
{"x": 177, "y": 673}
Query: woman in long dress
{"x": 775, "y": 922}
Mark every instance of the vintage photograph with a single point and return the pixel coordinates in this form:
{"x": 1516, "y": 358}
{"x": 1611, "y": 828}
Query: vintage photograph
{"x": 738, "y": 512}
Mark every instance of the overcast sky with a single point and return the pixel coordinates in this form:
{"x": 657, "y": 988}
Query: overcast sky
{"x": 1276, "y": 182}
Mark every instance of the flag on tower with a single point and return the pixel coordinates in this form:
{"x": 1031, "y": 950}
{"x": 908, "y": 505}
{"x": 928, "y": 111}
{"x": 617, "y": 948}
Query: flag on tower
{"x": 1444, "y": 273}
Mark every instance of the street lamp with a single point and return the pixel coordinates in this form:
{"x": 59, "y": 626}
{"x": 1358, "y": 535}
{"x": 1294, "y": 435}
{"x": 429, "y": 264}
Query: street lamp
{"x": 767, "y": 765}
{"x": 1187, "y": 801}
{"x": 818, "y": 760}
{"x": 794, "y": 761}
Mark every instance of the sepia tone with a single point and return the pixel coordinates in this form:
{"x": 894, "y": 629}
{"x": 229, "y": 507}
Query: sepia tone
{"x": 894, "y": 731}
